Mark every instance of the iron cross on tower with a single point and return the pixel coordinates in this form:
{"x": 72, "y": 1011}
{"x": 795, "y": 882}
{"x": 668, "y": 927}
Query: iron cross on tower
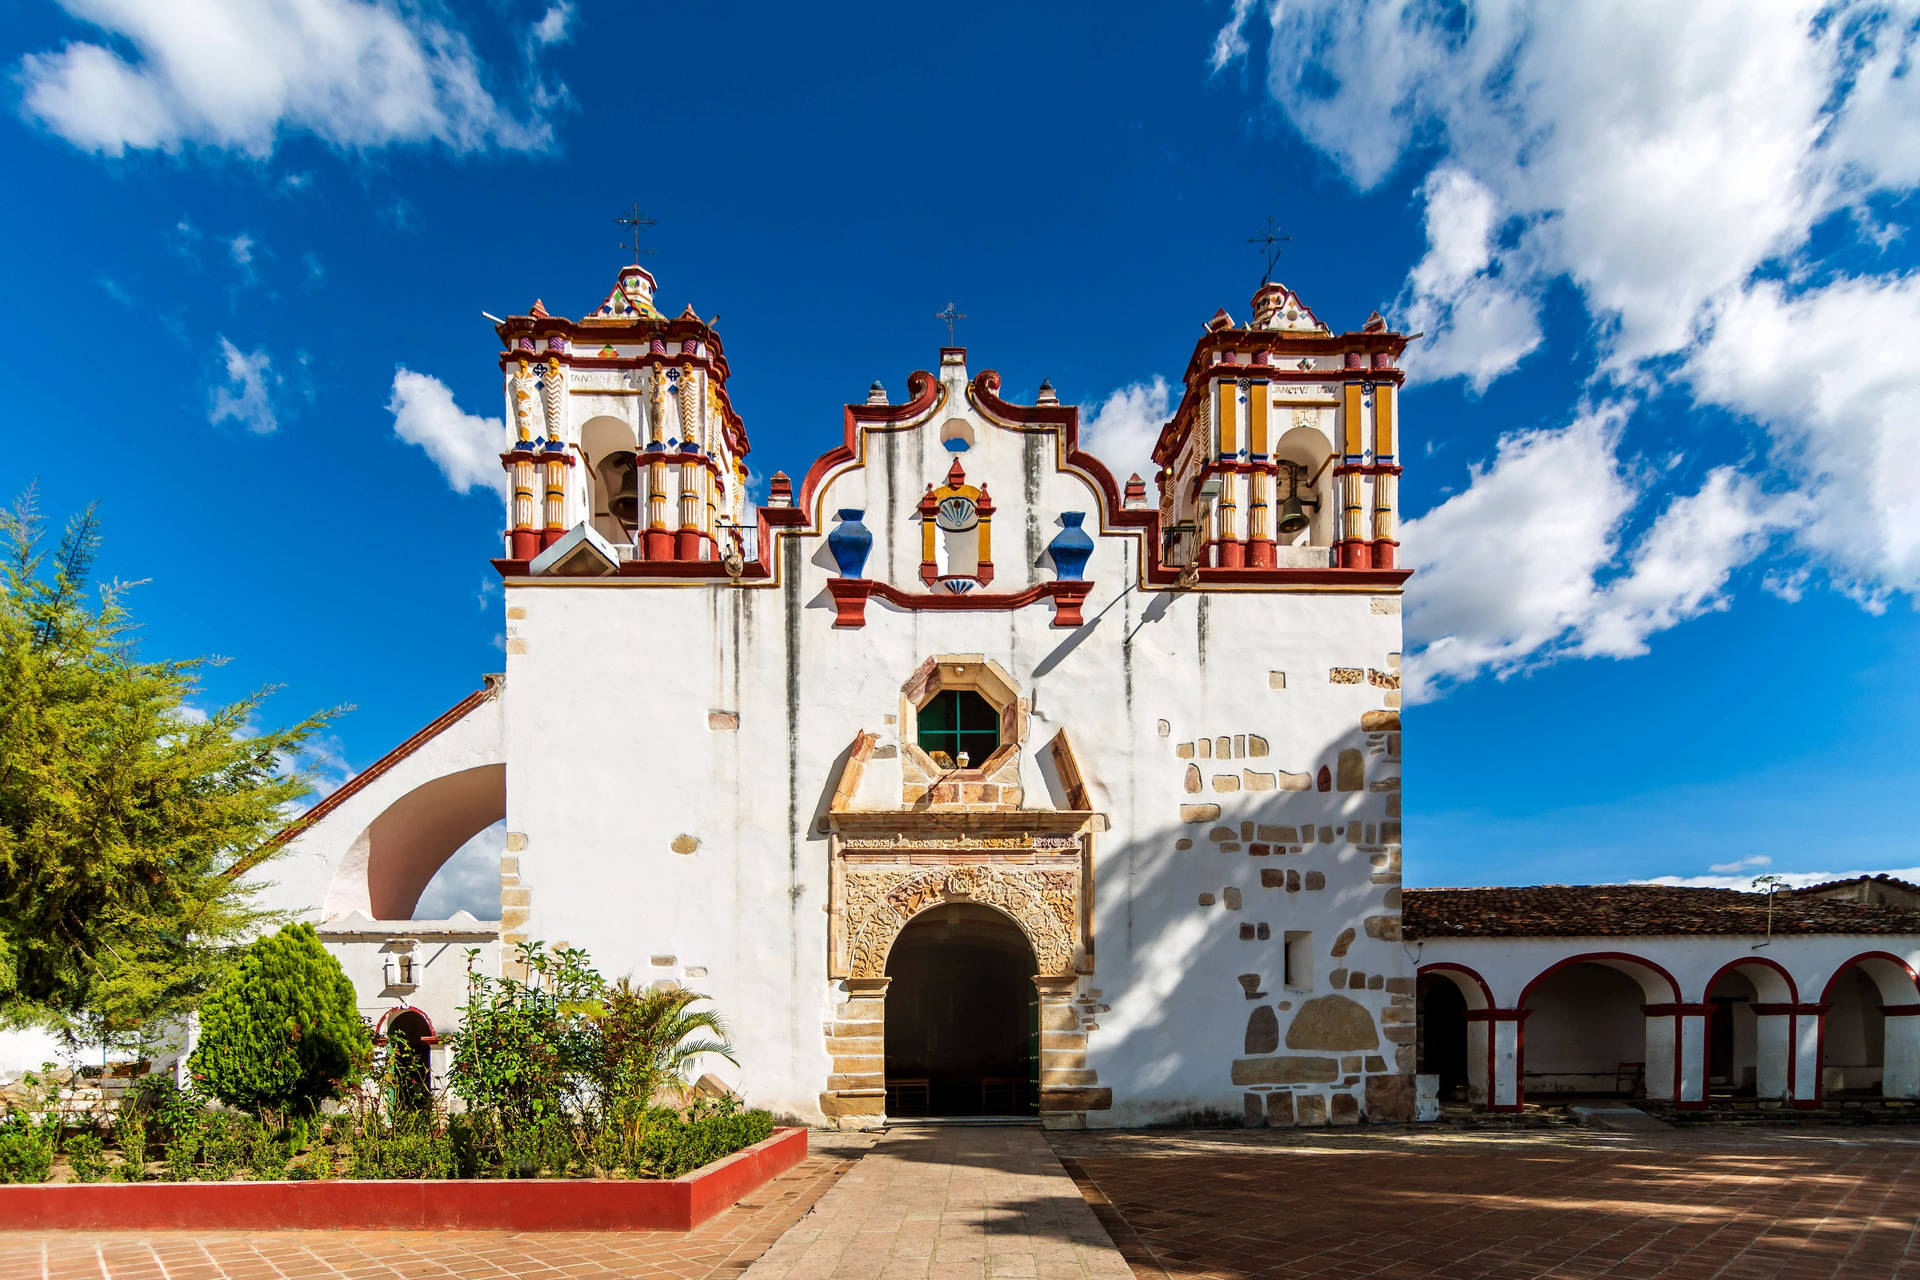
{"x": 951, "y": 314}
{"x": 634, "y": 221}
{"x": 1272, "y": 239}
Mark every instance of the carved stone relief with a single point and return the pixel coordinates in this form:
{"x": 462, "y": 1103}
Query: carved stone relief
{"x": 878, "y": 902}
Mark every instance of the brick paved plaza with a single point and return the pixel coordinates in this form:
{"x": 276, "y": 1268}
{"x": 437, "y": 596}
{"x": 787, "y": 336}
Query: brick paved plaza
{"x": 1395, "y": 1205}
{"x": 982, "y": 1204}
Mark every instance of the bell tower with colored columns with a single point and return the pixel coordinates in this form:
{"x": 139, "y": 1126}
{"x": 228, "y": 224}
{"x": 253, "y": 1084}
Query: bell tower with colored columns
{"x": 625, "y": 445}
{"x": 1282, "y": 453}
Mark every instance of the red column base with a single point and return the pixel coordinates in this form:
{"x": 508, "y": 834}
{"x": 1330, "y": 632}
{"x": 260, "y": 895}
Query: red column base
{"x": 849, "y": 600}
{"x": 1233, "y": 554}
{"x": 526, "y": 544}
{"x": 686, "y": 545}
{"x": 1383, "y": 553}
{"x": 549, "y": 536}
{"x": 1261, "y": 553}
{"x": 1354, "y": 554}
{"x": 659, "y": 544}
{"x": 984, "y": 572}
{"x": 1067, "y": 599}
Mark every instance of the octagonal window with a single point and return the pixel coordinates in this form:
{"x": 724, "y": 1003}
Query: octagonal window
{"x": 958, "y": 728}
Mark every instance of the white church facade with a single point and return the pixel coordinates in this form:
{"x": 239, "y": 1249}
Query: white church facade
{"x": 966, "y": 777}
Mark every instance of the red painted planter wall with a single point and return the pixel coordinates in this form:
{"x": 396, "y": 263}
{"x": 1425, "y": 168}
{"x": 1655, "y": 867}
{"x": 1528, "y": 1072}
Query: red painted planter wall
{"x": 555, "y": 1204}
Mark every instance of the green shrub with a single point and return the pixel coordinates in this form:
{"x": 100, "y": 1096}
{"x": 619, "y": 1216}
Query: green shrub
{"x": 226, "y": 1141}
{"x": 704, "y": 1135}
{"x": 130, "y": 1131}
{"x": 26, "y": 1150}
{"x": 267, "y": 1155}
{"x": 281, "y": 1032}
{"x": 181, "y": 1156}
{"x": 525, "y": 1050}
{"x": 87, "y": 1156}
{"x": 413, "y": 1149}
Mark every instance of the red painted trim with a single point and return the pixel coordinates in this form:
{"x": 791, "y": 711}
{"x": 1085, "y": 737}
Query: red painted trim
{"x": 548, "y": 1204}
{"x": 1793, "y": 991}
{"x": 1497, "y": 1015}
{"x": 380, "y": 1028}
{"x": 1448, "y": 966}
{"x": 851, "y": 594}
{"x": 1826, "y": 992}
{"x": 1677, "y": 1010}
{"x": 1900, "y": 1010}
{"x": 1809, "y": 1009}
{"x": 924, "y": 392}
{"x": 360, "y": 781}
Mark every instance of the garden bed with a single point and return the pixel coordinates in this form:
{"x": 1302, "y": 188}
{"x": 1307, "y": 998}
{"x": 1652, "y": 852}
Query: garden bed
{"x": 545, "y": 1204}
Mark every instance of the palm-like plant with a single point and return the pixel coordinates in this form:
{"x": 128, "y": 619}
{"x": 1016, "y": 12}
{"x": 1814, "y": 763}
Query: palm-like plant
{"x": 650, "y": 1038}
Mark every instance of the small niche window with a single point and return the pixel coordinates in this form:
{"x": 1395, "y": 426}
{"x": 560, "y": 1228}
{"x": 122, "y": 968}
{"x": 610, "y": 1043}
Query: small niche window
{"x": 959, "y": 729}
{"x": 1298, "y": 961}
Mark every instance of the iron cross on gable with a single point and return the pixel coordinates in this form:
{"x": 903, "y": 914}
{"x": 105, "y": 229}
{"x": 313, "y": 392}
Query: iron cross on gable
{"x": 634, "y": 221}
{"x": 951, "y": 314}
{"x": 1272, "y": 239}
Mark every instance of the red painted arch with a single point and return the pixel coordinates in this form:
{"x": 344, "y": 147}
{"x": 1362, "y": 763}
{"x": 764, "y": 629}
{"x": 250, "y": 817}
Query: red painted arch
{"x": 380, "y": 1028}
{"x": 1606, "y": 959}
{"x": 1793, "y": 989}
{"x": 1600, "y": 958}
{"x": 1449, "y": 966}
{"x": 1826, "y": 992}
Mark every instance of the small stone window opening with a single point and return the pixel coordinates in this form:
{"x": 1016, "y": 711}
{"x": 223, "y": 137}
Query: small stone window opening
{"x": 959, "y": 729}
{"x": 399, "y": 970}
{"x": 1298, "y": 961}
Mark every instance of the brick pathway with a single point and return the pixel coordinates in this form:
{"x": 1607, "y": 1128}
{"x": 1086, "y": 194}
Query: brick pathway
{"x": 719, "y": 1249}
{"x": 949, "y": 1203}
{"x": 1390, "y": 1204}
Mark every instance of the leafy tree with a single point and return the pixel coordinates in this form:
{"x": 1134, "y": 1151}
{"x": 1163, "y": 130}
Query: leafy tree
{"x": 126, "y": 815}
{"x": 527, "y": 1048}
{"x": 281, "y": 1032}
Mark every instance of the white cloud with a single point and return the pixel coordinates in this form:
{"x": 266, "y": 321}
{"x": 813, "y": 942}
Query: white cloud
{"x": 466, "y": 448}
{"x": 240, "y": 75}
{"x": 469, "y": 880}
{"x": 1477, "y": 326}
{"x": 248, "y": 396}
{"x": 1528, "y": 563}
{"x": 1743, "y": 864}
{"x": 1123, "y": 429}
{"x": 554, "y": 24}
{"x": 1509, "y": 566}
{"x": 1680, "y": 567}
{"x": 1789, "y": 879}
{"x": 1830, "y": 374}
{"x": 1230, "y": 43}
{"x": 1671, "y": 163}
{"x": 240, "y": 249}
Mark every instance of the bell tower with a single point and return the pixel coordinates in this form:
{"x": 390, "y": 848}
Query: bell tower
{"x": 626, "y": 452}
{"x": 1281, "y": 454}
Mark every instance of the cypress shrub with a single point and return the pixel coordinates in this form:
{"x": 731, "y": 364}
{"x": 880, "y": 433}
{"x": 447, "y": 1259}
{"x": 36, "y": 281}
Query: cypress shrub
{"x": 281, "y": 1033}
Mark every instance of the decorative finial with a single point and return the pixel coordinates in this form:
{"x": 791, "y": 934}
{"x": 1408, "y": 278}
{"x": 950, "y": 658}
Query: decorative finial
{"x": 876, "y": 394}
{"x": 1374, "y": 323}
{"x": 1272, "y": 239}
{"x": 1047, "y": 394}
{"x": 951, "y": 314}
{"x": 634, "y": 221}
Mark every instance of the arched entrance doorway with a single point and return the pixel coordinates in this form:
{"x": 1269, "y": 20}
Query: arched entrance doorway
{"x": 1443, "y": 1036}
{"x": 409, "y": 1061}
{"x": 962, "y": 1016}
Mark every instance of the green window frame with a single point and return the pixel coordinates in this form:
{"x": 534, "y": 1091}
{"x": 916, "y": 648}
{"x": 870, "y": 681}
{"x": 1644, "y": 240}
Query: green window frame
{"x": 956, "y": 721}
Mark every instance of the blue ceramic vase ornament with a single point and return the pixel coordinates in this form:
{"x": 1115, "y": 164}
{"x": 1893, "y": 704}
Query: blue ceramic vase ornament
{"x": 850, "y": 542}
{"x": 1071, "y": 547}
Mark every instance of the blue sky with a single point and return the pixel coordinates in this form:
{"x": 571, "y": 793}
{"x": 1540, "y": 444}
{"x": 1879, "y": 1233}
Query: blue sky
{"x": 1662, "y": 447}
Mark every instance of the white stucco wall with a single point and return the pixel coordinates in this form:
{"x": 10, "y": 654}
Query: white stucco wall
{"x": 607, "y": 701}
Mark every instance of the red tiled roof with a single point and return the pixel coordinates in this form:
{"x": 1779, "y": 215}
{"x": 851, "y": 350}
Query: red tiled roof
{"x": 434, "y": 728}
{"x": 1620, "y": 910}
{"x": 1881, "y": 878}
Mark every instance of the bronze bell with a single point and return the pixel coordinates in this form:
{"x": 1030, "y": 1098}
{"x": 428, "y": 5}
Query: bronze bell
{"x": 1293, "y": 517}
{"x": 624, "y": 504}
